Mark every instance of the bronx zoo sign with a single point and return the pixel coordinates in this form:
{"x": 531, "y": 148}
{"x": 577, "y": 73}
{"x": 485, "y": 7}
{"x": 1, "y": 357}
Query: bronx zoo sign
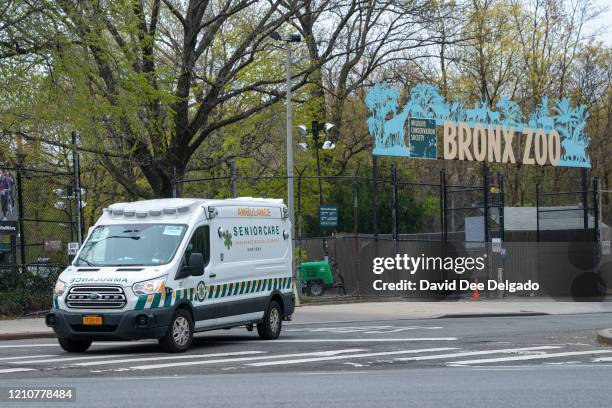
{"x": 545, "y": 137}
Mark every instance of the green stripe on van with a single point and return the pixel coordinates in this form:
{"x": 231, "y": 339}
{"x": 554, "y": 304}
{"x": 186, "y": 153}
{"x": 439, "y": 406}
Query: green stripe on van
{"x": 168, "y": 300}
{"x": 142, "y": 300}
{"x": 156, "y": 300}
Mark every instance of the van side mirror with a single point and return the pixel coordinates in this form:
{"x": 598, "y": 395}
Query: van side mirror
{"x": 195, "y": 264}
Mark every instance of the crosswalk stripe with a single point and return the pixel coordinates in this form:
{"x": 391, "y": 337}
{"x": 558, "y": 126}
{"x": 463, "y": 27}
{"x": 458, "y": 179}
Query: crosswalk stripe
{"x": 54, "y": 360}
{"x": 475, "y": 353}
{"x": 379, "y": 354}
{"x": 530, "y": 357}
{"x": 104, "y": 343}
{"x": 27, "y": 357}
{"x": 15, "y": 370}
{"x": 603, "y": 360}
{"x": 131, "y": 360}
{"x": 241, "y": 359}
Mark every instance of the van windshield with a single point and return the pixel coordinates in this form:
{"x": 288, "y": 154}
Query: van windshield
{"x": 131, "y": 245}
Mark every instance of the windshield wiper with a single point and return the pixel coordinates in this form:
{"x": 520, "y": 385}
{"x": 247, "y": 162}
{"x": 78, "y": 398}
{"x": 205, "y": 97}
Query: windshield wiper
{"x": 79, "y": 259}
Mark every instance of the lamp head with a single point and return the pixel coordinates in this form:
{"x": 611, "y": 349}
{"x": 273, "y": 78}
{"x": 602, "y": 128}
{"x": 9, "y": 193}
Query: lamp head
{"x": 328, "y": 145}
{"x": 328, "y": 126}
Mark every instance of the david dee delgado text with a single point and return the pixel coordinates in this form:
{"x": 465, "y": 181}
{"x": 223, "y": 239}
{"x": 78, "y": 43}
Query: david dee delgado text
{"x": 459, "y": 265}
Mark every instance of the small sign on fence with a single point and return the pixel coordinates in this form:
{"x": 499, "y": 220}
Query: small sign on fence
{"x": 73, "y": 248}
{"x": 53, "y": 245}
{"x": 328, "y": 216}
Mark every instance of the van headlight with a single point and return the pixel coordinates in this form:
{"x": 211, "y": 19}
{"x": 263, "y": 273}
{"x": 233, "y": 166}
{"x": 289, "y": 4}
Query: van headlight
{"x": 60, "y": 287}
{"x": 149, "y": 287}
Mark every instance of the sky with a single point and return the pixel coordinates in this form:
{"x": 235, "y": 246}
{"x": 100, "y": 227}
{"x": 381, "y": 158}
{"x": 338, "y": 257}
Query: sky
{"x": 604, "y": 21}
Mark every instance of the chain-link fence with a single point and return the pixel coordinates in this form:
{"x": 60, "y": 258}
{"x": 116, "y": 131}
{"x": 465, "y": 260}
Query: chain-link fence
{"x": 37, "y": 215}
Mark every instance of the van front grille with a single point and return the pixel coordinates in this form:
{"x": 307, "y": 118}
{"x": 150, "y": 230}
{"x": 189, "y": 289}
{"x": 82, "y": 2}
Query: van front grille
{"x": 96, "y": 297}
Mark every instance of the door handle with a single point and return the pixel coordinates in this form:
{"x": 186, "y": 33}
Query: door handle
{"x": 212, "y": 275}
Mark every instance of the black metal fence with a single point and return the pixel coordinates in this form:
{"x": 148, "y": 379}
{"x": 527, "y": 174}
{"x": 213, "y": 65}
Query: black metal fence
{"x": 38, "y": 221}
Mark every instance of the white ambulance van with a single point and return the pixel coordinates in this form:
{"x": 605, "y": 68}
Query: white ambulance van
{"x": 164, "y": 269}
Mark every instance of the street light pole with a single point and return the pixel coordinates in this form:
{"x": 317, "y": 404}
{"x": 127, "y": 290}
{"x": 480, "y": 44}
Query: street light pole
{"x": 289, "y": 140}
{"x": 77, "y": 187}
{"x": 315, "y": 138}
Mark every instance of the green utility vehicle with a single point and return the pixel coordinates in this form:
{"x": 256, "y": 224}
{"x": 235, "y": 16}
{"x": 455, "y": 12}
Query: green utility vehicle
{"x": 316, "y": 277}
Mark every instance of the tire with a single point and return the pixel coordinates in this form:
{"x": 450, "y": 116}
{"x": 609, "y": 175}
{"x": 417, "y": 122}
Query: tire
{"x": 179, "y": 336}
{"x": 73, "y": 345}
{"x": 315, "y": 288}
{"x": 270, "y": 327}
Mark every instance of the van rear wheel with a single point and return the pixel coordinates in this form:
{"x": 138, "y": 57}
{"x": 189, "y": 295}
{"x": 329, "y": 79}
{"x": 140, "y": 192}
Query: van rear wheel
{"x": 179, "y": 336}
{"x": 270, "y": 327}
{"x": 74, "y": 346}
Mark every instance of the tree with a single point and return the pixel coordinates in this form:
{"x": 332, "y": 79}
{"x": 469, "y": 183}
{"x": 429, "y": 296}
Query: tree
{"x": 153, "y": 81}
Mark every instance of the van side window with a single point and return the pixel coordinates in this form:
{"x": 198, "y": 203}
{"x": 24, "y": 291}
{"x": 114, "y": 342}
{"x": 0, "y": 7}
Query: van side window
{"x": 200, "y": 243}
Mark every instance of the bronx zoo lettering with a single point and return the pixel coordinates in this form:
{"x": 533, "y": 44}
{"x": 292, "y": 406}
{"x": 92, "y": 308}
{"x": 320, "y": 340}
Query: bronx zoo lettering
{"x": 496, "y": 144}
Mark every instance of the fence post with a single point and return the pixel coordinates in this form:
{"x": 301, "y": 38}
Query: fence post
{"x": 356, "y": 229}
{"x": 375, "y": 196}
{"x": 299, "y": 211}
{"x": 485, "y": 185}
{"x": 537, "y": 189}
{"x": 585, "y": 197}
{"x": 501, "y": 204}
{"x": 233, "y": 178}
{"x": 394, "y": 202}
{"x": 442, "y": 205}
{"x": 22, "y": 235}
{"x": 596, "y": 208}
{"x": 76, "y": 168}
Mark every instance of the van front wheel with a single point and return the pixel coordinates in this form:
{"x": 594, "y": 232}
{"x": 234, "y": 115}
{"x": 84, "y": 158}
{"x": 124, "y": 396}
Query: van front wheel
{"x": 74, "y": 346}
{"x": 270, "y": 327}
{"x": 179, "y": 336}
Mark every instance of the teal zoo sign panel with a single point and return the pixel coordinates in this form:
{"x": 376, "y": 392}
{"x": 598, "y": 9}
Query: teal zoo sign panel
{"x": 422, "y": 136}
{"x": 328, "y": 216}
{"x": 554, "y": 133}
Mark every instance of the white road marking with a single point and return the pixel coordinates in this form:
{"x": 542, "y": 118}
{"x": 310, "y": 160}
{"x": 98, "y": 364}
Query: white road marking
{"x": 27, "y": 357}
{"x": 363, "y": 329}
{"x": 15, "y": 370}
{"x": 475, "y": 353}
{"x": 602, "y": 360}
{"x": 240, "y": 359}
{"x": 95, "y": 344}
{"x": 182, "y": 356}
{"x": 362, "y": 340}
{"x": 529, "y": 357}
{"x": 29, "y": 345}
{"x": 54, "y": 360}
{"x": 383, "y": 353}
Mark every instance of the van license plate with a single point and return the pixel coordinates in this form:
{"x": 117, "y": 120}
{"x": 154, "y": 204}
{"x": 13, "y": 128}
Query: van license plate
{"x": 92, "y": 320}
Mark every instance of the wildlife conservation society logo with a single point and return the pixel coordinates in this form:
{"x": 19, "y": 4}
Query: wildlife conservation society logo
{"x": 227, "y": 239}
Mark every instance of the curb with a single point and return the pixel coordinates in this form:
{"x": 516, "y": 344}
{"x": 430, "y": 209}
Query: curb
{"x": 27, "y": 335}
{"x": 605, "y": 337}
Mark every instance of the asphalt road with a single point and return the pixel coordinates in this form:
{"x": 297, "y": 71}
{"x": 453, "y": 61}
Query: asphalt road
{"x": 539, "y": 361}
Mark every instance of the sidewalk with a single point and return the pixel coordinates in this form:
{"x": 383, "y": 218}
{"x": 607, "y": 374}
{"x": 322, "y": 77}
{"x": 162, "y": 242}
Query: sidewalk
{"x": 311, "y": 314}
